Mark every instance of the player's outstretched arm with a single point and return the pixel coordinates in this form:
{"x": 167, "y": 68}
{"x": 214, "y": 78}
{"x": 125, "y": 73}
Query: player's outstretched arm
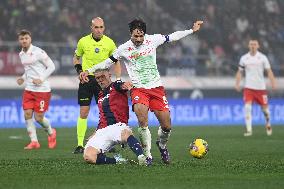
{"x": 103, "y": 65}
{"x": 272, "y": 79}
{"x": 181, "y": 34}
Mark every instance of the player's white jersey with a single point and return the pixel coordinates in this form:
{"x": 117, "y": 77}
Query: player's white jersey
{"x": 141, "y": 61}
{"x": 37, "y": 65}
{"x": 254, "y": 67}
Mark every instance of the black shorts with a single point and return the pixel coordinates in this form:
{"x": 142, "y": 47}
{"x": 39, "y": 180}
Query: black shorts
{"x": 87, "y": 91}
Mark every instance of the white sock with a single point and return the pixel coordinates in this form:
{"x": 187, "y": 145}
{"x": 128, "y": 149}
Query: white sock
{"x": 31, "y": 130}
{"x": 248, "y": 117}
{"x": 46, "y": 125}
{"x": 266, "y": 113}
{"x": 163, "y": 137}
{"x": 145, "y": 139}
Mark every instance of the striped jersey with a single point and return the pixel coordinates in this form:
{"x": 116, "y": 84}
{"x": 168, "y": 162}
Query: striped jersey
{"x": 113, "y": 105}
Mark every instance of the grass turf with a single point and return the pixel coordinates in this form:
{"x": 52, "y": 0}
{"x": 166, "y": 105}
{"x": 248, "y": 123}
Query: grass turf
{"x": 232, "y": 162}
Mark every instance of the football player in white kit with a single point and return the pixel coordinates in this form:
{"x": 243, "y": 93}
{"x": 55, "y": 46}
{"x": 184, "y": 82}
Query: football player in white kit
{"x": 148, "y": 93}
{"x": 38, "y": 67}
{"x": 254, "y": 63}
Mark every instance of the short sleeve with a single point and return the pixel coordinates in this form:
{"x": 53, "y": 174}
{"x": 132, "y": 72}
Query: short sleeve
{"x": 79, "y": 50}
{"x": 158, "y": 39}
{"x": 242, "y": 64}
{"x": 266, "y": 62}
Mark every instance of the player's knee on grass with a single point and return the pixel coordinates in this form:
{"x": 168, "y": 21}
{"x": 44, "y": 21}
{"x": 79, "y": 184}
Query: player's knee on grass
{"x": 125, "y": 133}
{"x": 90, "y": 155}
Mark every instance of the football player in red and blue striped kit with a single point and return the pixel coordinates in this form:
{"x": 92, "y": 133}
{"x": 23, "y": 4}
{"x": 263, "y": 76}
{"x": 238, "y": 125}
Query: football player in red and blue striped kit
{"x": 112, "y": 128}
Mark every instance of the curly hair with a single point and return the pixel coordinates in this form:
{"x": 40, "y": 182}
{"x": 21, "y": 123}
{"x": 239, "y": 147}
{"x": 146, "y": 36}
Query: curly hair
{"x": 137, "y": 23}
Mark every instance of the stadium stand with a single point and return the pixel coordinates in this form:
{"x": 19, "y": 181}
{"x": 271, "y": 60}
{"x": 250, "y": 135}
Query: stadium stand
{"x": 215, "y": 51}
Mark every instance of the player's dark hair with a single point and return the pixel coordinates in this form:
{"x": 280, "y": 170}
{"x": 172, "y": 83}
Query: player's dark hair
{"x": 25, "y": 32}
{"x": 137, "y": 23}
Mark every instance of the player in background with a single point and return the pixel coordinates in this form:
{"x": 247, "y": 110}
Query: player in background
{"x": 112, "y": 128}
{"x": 139, "y": 56}
{"x": 38, "y": 67}
{"x": 93, "y": 48}
{"x": 254, "y": 63}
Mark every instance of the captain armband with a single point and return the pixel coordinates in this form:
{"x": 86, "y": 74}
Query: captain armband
{"x": 113, "y": 59}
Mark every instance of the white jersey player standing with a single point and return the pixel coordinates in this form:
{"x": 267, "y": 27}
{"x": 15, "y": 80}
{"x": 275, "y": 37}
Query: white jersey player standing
{"x": 139, "y": 56}
{"x": 254, "y": 63}
{"x": 38, "y": 67}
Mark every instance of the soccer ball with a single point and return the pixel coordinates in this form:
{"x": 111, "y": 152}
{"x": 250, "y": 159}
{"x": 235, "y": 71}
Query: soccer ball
{"x": 198, "y": 148}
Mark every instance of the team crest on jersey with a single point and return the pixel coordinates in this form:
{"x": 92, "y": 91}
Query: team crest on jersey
{"x": 136, "y": 98}
{"x": 97, "y": 50}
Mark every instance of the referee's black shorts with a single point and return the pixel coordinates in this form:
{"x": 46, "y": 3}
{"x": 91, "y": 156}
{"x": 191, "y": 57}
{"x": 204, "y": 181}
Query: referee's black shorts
{"x": 86, "y": 91}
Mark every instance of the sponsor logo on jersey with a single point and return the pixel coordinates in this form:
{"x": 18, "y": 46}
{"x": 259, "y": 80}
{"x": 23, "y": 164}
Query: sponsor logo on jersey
{"x": 135, "y": 55}
{"x": 102, "y": 99}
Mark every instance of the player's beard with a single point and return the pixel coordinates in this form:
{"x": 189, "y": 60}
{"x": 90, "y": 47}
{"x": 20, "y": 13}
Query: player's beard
{"x": 137, "y": 43}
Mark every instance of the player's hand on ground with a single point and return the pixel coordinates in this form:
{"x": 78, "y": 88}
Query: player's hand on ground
{"x": 37, "y": 81}
{"x": 197, "y": 25}
{"x": 20, "y": 81}
{"x": 238, "y": 88}
{"x": 127, "y": 86}
{"x": 83, "y": 76}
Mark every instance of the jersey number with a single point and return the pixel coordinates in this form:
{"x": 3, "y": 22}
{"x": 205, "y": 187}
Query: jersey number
{"x": 41, "y": 105}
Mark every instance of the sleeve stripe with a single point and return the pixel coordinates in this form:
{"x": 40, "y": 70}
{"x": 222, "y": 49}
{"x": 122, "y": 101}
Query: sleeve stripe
{"x": 167, "y": 38}
{"x": 113, "y": 59}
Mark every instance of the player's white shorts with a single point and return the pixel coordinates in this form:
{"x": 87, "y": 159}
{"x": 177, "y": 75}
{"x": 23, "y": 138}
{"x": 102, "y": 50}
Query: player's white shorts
{"x": 107, "y": 137}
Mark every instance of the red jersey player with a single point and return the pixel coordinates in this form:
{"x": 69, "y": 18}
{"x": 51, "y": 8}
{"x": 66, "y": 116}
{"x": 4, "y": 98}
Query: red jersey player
{"x": 112, "y": 128}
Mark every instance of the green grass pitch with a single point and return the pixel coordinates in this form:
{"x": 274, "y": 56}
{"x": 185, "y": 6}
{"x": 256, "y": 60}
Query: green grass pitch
{"x": 232, "y": 162}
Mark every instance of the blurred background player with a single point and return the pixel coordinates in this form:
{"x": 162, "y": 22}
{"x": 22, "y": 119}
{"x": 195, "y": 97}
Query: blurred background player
{"x": 112, "y": 128}
{"x": 93, "y": 48}
{"x": 254, "y": 63}
{"x": 139, "y": 55}
{"x": 38, "y": 67}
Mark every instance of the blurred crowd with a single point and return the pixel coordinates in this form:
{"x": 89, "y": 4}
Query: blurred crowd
{"x": 215, "y": 50}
